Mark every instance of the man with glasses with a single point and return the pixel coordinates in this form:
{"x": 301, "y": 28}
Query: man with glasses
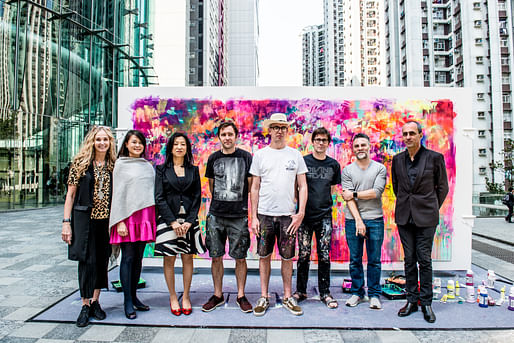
{"x": 420, "y": 184}
{"x": 324, "y": 173}
{"x": 363, "y": 183}
{"x": 278, "y": 173}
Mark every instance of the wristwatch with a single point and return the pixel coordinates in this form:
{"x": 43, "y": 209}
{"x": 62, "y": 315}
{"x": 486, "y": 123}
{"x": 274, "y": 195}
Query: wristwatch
{"x": 68, "y": 220}
{"x": 355, "y": 195}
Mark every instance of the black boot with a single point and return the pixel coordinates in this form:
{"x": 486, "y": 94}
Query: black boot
{"x": 83, "y": 318}
{"x": 428, "y": 313}
{"x": 407, "y": 309}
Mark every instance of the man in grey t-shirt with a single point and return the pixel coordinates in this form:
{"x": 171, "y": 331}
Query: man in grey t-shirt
{"x": 363, "y": 182}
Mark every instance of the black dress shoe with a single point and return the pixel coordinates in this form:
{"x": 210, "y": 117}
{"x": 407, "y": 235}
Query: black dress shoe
{"x": 407, "y": 309}
{"x": 428, "y": 313}
{"x": 96, "y": 311}
{"x": 139, "y": 306}
{"x": 83, "y": 318}
{"x": 131, "y": 315}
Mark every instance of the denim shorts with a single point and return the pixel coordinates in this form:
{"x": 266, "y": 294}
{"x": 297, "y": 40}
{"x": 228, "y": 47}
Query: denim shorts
{"x": 221, "y": 228}
{"x": 274, "y": 228}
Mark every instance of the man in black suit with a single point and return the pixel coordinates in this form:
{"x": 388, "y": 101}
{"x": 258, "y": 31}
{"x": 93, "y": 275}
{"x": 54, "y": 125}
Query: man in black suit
{"x": 420, "y": 185}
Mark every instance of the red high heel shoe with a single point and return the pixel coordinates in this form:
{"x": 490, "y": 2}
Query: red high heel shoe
{"x": 187, "y": 311}
{"x": 176, "y": 312}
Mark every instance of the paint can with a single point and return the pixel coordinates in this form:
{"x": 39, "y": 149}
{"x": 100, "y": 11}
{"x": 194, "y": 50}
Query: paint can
{"x": 470, "y": 294}
{"x": 436, "y": 288}
{"x": 491, "y": 278}
{"x": 482, "y": 296}
{"x": 469, "y": 278}
{"x": 450, "y": 289}
{"x": 511, "y": 299}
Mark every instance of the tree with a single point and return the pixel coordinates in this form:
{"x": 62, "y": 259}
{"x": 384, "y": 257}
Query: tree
{"x": 505, "y": 166}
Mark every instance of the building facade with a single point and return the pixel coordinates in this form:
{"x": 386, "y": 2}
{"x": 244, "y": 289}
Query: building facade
{"x": 221, "y": 42}
{"x": 456, "y": 43}
{"x": 61, "y": 63}
{"x": 333, "y": 21}
{"x": 313, "y": 56}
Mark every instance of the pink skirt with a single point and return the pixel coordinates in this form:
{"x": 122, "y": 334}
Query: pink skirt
{"x": 141, "y": 227}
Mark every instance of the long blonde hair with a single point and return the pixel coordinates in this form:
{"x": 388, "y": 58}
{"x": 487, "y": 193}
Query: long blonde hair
{"x": 86, "y": 154}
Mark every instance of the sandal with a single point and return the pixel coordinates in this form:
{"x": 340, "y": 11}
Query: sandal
{"x": 329, "y": 301}
{"x": 299, "y": 296}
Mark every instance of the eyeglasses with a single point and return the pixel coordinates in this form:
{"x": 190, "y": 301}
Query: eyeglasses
{"x": 278, "y": 128}
{"x": 321, "y": 140}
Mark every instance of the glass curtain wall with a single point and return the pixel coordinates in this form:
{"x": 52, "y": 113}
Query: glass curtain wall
{"x": 61, "y": 63}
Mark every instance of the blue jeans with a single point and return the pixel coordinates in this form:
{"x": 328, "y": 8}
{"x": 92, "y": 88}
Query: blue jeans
{"x": 375, "y": 232}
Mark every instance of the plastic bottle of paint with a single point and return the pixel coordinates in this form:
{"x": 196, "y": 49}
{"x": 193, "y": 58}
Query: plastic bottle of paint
{"x": 491, "y": 278}
{"x": 469, "y": 278}
{"x": 457, "y": 288}
{"x": 511, "y": 299}
{"x": 483, "y": 297}
{"x": 450, "y": 289}
{"x": 470, "y": 294}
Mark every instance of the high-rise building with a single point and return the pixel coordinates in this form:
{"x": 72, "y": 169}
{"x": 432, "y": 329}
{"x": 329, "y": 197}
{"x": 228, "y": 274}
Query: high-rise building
{"x": 221, "y": 42}
{"x": 242, "y": 41}
{"x": 363, "y": 38}
{"x": 61, "y": 63}
{"x": 455, "y": 43}
{"x": 333, "y": 23}
{"x": 313, "y": 56}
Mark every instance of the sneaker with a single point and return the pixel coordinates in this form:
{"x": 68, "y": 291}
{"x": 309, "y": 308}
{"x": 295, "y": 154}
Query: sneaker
{"x": 213, "y": 302}
{"x": 261, "y": 307}
{"x": 356, "y": 300}
{"x": 292, "y": 305}
{"x": 83, "y": 318}
{"x": 244, "y": 304}
{"x": 374, "y": 303}
{"x": 96, "y": 311}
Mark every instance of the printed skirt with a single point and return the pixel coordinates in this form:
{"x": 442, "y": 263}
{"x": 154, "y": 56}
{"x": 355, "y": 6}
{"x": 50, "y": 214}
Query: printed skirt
{"x": 167, "y": 243}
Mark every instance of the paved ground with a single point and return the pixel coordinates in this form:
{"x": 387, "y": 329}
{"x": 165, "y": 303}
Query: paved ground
{"x": 35, "y": 273}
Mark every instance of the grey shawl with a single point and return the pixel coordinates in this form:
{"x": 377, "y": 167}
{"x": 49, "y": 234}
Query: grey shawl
{"x": 132, "y": 188}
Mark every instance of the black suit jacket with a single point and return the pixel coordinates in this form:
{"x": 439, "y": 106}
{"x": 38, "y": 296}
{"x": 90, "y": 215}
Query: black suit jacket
{"x": 423, "y": 199}
{"x": 170, "y": 194}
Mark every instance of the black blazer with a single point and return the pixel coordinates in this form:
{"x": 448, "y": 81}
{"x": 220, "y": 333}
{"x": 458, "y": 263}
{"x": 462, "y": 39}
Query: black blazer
{"x": 81, "y": 216}
{"x": 424, "y": 198}
{"x": 170, "y": 194}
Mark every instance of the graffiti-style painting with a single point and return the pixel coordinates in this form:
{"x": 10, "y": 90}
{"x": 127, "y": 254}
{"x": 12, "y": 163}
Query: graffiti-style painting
{"x": 157, "y": 117}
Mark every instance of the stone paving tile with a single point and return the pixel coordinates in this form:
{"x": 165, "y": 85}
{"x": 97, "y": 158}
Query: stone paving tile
{"x": 211, "y": 335}
{"x": 501, "y": 336}
{"x": 10, "y": 339}
{"x": 33, "y": 330}
{"x": 8, "y": 326}
{"x": 102, "y": 333}
{"x": 24, "y": 313}
{"x": 66, "y": 331}
{"x": 172, "y": 335}
{"x": 358, "y": 336}
{"x": 43, "y": 340}
{"x": 319, "y": 336}
{"x": 398, "y": 337}
{"x": 247, "y": 336}
{"x": 455, "y": 336}
{"x": 17, "y": 300}
{"x": 6, "y": 310}
{"x": 281, "y": 336}
{"x": 6, "y": 281}
{"x": 137, "y": 334}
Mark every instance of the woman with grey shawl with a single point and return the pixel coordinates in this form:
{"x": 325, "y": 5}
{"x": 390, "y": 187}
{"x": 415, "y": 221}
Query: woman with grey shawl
{"x": 132, "y": 220}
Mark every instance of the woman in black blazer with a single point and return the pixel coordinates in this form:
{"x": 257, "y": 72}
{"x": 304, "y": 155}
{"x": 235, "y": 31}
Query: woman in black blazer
{"x": 177, "y": 198}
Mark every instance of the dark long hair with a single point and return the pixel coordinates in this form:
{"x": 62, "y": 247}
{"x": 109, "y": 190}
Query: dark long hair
{"x": 124, "y": 151}
{"x": 188, "y": 158}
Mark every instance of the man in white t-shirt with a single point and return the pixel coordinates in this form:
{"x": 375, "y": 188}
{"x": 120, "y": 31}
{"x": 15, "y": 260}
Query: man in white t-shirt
{"x": 277, "y": 170}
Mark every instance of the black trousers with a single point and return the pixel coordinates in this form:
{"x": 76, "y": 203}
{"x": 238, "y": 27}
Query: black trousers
{"x": 417, "y": 248}
{"x": 93, "y": 272}
{"x": 509, "y": 215}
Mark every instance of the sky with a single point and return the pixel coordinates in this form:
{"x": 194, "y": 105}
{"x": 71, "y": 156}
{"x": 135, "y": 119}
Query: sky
{"x": 280, "y": 44}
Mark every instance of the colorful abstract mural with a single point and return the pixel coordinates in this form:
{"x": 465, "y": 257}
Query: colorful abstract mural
{"x": 158, "y": 117}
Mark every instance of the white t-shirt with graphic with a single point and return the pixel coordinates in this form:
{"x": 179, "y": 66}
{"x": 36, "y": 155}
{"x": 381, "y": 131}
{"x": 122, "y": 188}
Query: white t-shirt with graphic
{"x": 277, "y": 169}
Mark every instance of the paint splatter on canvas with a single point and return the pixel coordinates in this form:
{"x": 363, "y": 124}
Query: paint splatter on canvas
{"x": 380, "y": 119}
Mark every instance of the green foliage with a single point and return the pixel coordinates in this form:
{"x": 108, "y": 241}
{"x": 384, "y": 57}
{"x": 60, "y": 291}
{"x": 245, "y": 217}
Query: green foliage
{"x": 505, "y": 166}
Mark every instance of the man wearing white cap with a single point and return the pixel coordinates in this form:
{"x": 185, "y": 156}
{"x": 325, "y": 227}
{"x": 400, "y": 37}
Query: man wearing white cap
{"x": 278, "y": 171}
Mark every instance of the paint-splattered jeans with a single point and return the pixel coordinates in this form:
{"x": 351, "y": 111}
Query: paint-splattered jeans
{"x": 274, "y": 228}
{"x": 375, "y": 233}
{"x": 323, "y": 230}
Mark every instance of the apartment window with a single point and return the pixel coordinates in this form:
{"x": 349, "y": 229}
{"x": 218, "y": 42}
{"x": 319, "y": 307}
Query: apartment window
{"x": 426, "y": 76}
{"x": 425, "y": 60}
{"x": 505, "y": 79}
{"x": 501, "y": 5}
{"x": 504, "y": 42}
{"x": 481, "y": 115}
{"x": 476, "y": 5}
{"x": 480, "y": 78}
{"x": 482, "y": 152}
{"x": 478, "y": 23}
{"x": 481, "y": 133}
{"x": 480, "y": 96}
{"x": 192, "y": 70}
{"x": 479, "y": 59}
{"x": 478, "y": 41}
{"x": 481, "y": 170}
{"x": 506, "y": 98}
{"x": 504, "y": 61}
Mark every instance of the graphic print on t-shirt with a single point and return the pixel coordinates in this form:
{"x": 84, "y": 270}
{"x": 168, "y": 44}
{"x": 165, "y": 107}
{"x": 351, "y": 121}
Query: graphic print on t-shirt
{"x": 229, "y": 174}
{"x": 324, "y": 173}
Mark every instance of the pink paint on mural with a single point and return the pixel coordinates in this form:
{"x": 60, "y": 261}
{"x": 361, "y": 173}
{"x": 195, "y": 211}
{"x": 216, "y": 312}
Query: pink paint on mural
{"x": 381, "y": 120}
